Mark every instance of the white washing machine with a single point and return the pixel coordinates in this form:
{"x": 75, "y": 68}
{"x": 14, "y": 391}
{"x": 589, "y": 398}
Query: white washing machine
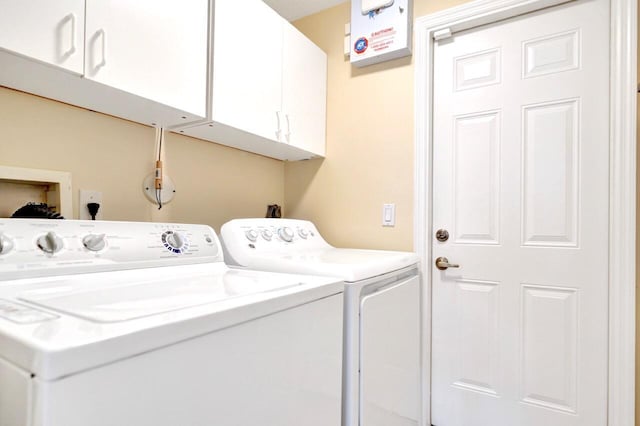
{"x": 381, "y": 381}
{"x": 142, "y": 324}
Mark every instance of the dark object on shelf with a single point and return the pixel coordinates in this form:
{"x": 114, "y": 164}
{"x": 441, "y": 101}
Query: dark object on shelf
{"x": 274, "y": 211}
{"x": 36, "y": 211}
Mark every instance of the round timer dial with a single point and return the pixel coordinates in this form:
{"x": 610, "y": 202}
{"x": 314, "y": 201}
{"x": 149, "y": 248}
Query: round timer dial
{"x": 175, "y": 242}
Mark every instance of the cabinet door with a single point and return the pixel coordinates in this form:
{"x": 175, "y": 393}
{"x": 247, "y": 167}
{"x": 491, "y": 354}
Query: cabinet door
{"x": 304, "y": 92}
{"x": 247, "y": 73}
{"x": 45, "y": 30}
{"x": 154, "y": 49}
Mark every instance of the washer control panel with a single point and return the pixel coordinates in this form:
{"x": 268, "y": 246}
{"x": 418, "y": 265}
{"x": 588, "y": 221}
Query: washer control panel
{"x": 39, "y": 247}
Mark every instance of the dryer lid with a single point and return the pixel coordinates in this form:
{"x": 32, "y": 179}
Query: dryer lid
{"x": 350, "y": 265}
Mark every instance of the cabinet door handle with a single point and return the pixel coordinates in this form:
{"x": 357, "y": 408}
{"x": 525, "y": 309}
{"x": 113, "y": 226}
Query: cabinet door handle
{"x": 288, "y": 134}
{"x": 72, "y": 18}
{"x": 278, "y": 132}
{"x": 103, "y": 44}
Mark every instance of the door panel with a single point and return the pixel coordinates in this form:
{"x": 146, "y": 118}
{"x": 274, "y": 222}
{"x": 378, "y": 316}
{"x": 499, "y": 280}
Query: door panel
{"x": 550, "y": 173}
{"x": 551, "y": 54}
{"x": 477, "y": 336}
{"x": 476, "y": 151}
{"x": 520, "y": 181}
{"x": 549, "y": 320}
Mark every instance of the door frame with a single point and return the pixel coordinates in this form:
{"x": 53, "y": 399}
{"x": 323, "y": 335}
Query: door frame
{"x": 622, "y": 181}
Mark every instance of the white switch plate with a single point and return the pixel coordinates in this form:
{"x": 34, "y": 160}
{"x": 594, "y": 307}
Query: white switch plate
{"x": 388, "y": 215}
{"x": 87, "y": 197}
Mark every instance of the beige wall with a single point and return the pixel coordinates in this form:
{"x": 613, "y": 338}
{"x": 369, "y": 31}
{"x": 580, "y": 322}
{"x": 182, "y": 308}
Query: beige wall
{"x": 214, "y": 183}
{"x": 369, "y": 143}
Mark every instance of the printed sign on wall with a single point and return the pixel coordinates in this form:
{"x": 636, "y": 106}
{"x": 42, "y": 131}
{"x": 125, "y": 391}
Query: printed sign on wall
{"x": 380, "y": 30}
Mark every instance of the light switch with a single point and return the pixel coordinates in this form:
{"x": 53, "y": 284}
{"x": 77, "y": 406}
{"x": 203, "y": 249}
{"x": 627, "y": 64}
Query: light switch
{"x": 388, "y": 215}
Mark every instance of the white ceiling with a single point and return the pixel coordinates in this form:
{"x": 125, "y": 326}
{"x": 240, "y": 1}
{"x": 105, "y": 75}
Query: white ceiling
{"x": 296, "y": 9}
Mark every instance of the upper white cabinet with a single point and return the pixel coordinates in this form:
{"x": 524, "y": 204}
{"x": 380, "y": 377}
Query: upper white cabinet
{"x": 142, "y": 60}
{"x": 45, "y": 30}
{"x": 268, "y": 91}
{"x": 304, "y": 92}
{"x": 247, "y": 66}
{"x": 156, "y": 49}
{"x": 229, "y": 71}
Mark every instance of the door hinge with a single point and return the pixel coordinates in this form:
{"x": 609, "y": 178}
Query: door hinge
{"x": 442, "y": 34}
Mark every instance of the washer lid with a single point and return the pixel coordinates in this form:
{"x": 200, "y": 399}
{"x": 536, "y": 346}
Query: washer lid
{"x": 349, "y": 265}
{"x": 108, "y": 301}
{"x": 58, "y": 326}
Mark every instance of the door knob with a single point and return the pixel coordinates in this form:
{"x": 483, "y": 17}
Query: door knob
{"x": 442, "y": 235}
{"x": 442, "y": 263}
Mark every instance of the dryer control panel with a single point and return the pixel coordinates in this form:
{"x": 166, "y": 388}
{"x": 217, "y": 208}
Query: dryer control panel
{"x": 273, "y": 234}
{"x": 244, "y": 238}
{"x": 39, "y": 247}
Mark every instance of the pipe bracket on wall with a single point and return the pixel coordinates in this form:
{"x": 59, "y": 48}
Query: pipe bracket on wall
{"x": 165, "y": 194}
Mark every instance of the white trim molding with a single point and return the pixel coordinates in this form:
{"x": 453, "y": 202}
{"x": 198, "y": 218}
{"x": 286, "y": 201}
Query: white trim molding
{"x": 622, "y": 213}
{"x": 622, "y": 196}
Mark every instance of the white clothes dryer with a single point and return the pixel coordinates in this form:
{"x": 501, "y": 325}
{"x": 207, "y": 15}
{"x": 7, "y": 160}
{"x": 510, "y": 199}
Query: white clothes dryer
{"x": 115, "y": 323}
{"x": 381, "y": 366}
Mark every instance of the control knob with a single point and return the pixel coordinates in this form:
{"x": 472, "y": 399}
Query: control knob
{"x": 176, "y": 240}
{"x": 267, "y": 235}
{"x": 303, "y": 233}
{"x": 6, "y": 244}
{"x": 286, "y": 234}
{"x": 94, "y": 242}
{"x": 252, "y": 235}
{"x": 50, "y": 243}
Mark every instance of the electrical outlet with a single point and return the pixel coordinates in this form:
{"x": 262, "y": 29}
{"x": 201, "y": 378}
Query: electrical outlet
{"x": 86, "y": 197}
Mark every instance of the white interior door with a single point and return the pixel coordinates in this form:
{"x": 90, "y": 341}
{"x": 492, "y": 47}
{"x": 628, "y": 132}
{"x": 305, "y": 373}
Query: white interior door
{"x": 520, "y": 182}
